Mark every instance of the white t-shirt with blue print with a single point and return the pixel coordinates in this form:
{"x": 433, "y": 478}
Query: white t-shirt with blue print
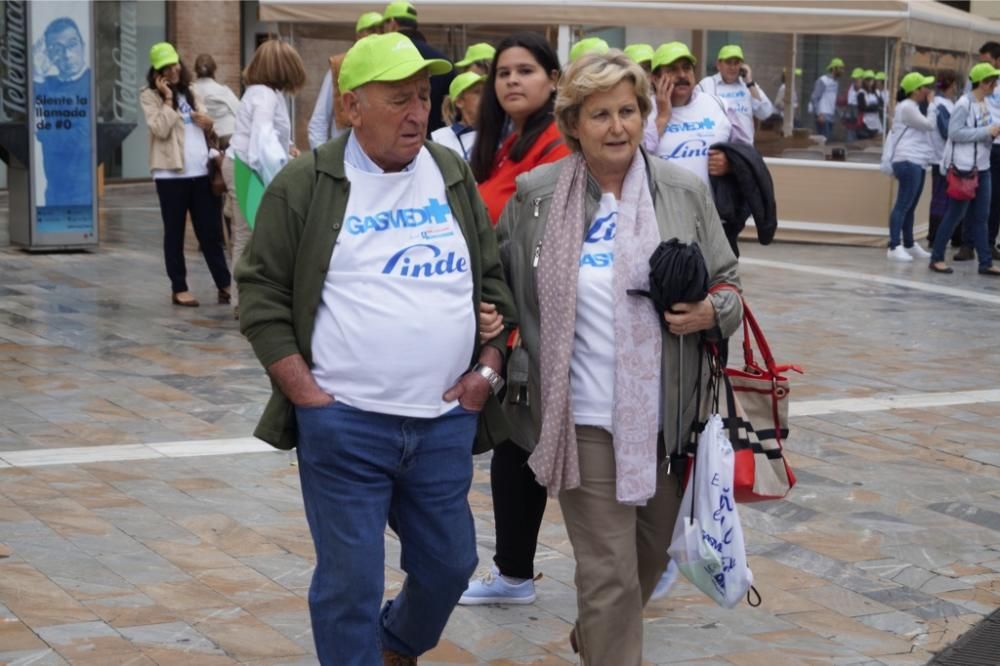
{"x": 592, "y": 366}
{"x": 694, "y": 127}
{"x": 396, "y": 325}
{"x": 195, "y": 147}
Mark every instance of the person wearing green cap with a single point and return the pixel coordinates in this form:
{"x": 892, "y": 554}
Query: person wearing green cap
{"x": 910, "y": 150}
{"x": 642, "y": 54}
{"x": 971, "y": 132}
{"x": 359, "y": 294}
{"x": 178, "y": 162}
{"x": 734, "y": 85}
{"x": 461, "y": 113}
{"x": 587, "y": 45}
{"x": 990, "y": 53}
{"x": 870, "y": 107}
{"x": 824, "y": 98}
{"x": 852, "y": 119}
{"x": 401, "y": 17}
{"x": 328, "y": 119}
{"x": 478, "y": 58}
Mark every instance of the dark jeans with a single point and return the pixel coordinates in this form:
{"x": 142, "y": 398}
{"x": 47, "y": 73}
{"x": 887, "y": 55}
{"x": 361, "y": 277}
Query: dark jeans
{"x": 825, "y": 128}
{"x": 911, "y": 183}
{"x": 993, "y": 225}
{"x": 518, "y": 505}
{"x": 178, "y": 197}
{"x": 939, "y": 204}
{"x": 359, "y": 471}
{"x": 975, "y": 213}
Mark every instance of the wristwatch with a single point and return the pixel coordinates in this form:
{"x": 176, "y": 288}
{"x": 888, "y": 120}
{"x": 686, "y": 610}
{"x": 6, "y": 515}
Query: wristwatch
{"x": 494, "y": 379}
{"x": 751, "y": 84}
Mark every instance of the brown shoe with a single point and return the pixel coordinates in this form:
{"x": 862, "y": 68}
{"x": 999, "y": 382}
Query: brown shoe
{"x": 965, "y": 253}
{"x": 390, "y": 658}
{"x": 185, "y": 299}
{"x": 224, "y": 296}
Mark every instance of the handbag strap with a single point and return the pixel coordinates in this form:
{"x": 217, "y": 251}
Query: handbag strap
{"x": 752, "y": 330}
{"x": 975, "y": 144}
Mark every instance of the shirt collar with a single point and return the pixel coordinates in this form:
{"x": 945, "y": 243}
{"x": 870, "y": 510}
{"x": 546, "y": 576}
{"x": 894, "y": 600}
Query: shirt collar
{"x": 356, "y": 156}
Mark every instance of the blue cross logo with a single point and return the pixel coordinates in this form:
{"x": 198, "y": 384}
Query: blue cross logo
{"x": 438, "y": 211}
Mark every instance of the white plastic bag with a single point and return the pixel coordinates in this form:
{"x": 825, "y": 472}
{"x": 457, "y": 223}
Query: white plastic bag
{"x": 709, "y": 549}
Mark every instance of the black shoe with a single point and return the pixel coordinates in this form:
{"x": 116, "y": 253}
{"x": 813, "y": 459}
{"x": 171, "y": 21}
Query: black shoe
{"x": 941, "y": 267}
{"x": 992, "y": 271}
{"x": 964, "y": 253}
{"x": 995, "y": 252}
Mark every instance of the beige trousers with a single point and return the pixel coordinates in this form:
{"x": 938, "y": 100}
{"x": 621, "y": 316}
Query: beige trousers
{"x": 241, "y": 230}
{"x": 620, "y": 551}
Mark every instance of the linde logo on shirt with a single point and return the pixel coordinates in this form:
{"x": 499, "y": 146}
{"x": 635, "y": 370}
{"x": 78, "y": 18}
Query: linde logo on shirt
{"x": 687, "y": 149}
{"x": 424, "y": 260}
{"x": 705, "y": 123}
{"x": 602, "y": 230}
{"x": 434, "y": 212}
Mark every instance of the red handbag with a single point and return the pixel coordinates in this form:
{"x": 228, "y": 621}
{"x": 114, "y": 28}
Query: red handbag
{"x": 755, "y": 414}
{"x": 962, "y": 186}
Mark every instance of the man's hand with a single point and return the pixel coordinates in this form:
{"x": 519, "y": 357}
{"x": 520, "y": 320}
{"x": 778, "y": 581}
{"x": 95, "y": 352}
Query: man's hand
{"x": 490, "y": 322}
{"x": 296, "y": 382}
{"x": 293, "y": 152}
{"x": 472, "y": 390}
{"x": 691, "y": 317}
{"x": 718, "y": 163}
{"x": 663, "y": 88}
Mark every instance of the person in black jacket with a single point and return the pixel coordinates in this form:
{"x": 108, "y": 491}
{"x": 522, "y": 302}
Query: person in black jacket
{"x": 746, "y": 189}
{"x": 402, "y": 17}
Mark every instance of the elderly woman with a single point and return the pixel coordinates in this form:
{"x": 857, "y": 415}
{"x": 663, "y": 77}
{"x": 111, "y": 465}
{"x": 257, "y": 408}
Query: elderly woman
{"x": 597, "y": 434}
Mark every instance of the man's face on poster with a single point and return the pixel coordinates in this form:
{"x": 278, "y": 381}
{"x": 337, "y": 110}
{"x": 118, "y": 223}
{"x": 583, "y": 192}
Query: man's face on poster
{"x": 65, "y": 51}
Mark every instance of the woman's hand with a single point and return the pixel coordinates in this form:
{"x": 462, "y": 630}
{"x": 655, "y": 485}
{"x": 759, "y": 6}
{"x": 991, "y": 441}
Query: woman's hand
{"x": 718, "y": 163}
{"x": 490, "y": 322}
{"x": 202, "y": 120}
{"x": 994, "y": 130}
{"x": 164, "y": 88}
{"x": 293, "y": 152}
{"x": 691, "y": 317}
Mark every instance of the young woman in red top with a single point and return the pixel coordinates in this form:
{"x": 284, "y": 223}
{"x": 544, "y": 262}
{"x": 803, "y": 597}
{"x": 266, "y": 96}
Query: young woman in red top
{"x": 520, "y": 92}
{"x": 518, "y": 96}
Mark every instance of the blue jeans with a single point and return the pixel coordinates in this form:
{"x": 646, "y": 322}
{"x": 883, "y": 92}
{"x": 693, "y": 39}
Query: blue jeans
{"x": 825, "y": 128}
{"x": 360, "y": 470}
{"x": 976, "y": 214}
{"x": 911, "y": 183}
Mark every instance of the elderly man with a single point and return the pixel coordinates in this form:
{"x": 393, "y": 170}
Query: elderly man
{"x": 359, "y": 293}
{"x": 735, "y": 85}
{"x": 328, "y": 119}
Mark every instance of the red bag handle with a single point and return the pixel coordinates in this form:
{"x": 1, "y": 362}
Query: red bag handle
{"x": 750, "y": 325}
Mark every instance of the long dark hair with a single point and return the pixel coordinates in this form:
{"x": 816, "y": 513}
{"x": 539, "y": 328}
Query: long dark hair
{"x": 181, "y": 88}
{"x": 493, "y": 119}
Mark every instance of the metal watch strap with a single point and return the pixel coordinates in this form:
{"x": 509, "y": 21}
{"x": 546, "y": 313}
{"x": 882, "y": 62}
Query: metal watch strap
{"x": 494, "y": 379}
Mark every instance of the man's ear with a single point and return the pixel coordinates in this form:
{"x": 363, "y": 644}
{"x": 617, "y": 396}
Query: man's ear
{"x": 352, "y": 106}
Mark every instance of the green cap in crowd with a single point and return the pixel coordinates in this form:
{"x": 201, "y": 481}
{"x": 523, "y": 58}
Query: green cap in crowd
{"x": 868, "y": 74}
{"x": 388, "y": 57}
{"x": 367, "y": 21}
{"x": 588, "y": 45}
{"x": 476, "y": 53}
{"x": 667, "y": 54}
{"x": 463, "y": 82}
{"x": 915, "y": 80}
{"x": 836, "y": 62}
{"x": 163, "y": 54}
{"x": 639, "y": 53}
{"x": 857, "y": 73}
{"x": 983, "y": 70}
{"x": 730, "y": 51}
{"x": 396, "y": 10}
{"x": 880, "y": 76}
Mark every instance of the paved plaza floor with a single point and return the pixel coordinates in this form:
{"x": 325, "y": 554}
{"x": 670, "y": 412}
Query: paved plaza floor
{"x": 140, "y": 523}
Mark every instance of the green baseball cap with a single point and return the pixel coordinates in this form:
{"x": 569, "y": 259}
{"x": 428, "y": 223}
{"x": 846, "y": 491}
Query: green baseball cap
{"x": 367, "y": 21}
{"x": 667, "y": 54}
{"x": 857, "y": 73}
{"x": 836, "y": 62}
{"x": 730, "y": 51}
{"x": 588, "y": 45}
{"x": 983, "y": 70}
{"x": 163, "y": 54}
{"x": 388, "y": 57}
{"x": 400, "y": 10}
{"x": 868, "y": 74}
{"x": 476, "y": 53}
{"x": 915, "y": 80}
{"x": 639, "y": 53}
{"x": 880, "y": 76}
{"x": 463, "y": 82}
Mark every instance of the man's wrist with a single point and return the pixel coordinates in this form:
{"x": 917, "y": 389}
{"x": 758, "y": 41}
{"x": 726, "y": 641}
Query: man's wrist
{"x": 492, "y": 357}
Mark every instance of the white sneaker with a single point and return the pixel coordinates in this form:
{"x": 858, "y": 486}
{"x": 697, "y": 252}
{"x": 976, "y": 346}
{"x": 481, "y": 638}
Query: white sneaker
{"x": 666, "y": 582}
{"x": 898, "y": 253}
{"x": 492, "y": 588}
{"x": 918, "y": 252}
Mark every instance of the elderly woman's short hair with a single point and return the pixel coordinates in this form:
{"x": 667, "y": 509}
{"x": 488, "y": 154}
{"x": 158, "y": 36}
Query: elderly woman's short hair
{"x": 596, "y": 73}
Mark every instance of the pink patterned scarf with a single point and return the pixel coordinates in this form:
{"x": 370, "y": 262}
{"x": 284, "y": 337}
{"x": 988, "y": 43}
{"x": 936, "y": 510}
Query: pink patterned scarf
{"x": 637, "y": 335}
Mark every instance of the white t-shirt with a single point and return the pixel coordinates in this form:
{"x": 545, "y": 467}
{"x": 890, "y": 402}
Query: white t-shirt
{"x": 460, "y": 143}
{"x": 737, "y": 96}
{"x": 195, "y": 147}
{"x": 993, "y": 104}
{"x": 692, "y": 129}
{"x": 824, "y": 96}
{"x": 396, "y": 324}
{"x": 592, "y": 367}
{"x": 871, "y": 119}
{"x": 263, "y": 131}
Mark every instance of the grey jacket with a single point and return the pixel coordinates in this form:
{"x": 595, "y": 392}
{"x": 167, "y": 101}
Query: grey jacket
{"x": 684, "y": 210}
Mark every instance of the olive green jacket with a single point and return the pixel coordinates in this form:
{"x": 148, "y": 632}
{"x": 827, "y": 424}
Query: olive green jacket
{"x": 281, "y": 272}
{"x": 684, "y": 210}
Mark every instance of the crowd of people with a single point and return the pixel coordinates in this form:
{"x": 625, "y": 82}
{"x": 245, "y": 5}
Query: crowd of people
{"x": 445, "y": 273}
